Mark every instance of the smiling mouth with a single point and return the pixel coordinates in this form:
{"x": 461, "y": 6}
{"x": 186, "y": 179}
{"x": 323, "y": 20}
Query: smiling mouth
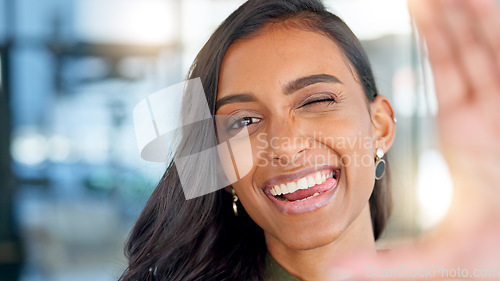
{"x": 304, "y": 188}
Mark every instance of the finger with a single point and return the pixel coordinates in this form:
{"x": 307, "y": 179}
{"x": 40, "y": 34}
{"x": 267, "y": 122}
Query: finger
{"x": 436, "y": 261}
{"x": 486, "y": 14}
{"x": 451, "y": 87}
{"x": 400, "y": 264}
{"x": 475, "y": 57}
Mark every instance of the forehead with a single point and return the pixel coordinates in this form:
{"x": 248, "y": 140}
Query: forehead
{"x": 278, "y": 54}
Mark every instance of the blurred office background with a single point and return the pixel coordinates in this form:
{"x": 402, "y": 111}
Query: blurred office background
{"x": 72, "y": 181}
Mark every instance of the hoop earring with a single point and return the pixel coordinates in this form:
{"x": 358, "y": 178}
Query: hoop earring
{"x": 380, "y": 164}
{"x": 235, "y": 198}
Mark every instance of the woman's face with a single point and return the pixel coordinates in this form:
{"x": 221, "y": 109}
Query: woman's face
{"x": 311, "y": 133}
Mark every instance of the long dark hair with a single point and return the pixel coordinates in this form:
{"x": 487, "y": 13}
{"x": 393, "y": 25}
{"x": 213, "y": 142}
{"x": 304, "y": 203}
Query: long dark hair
{"x": 201, "y": 239}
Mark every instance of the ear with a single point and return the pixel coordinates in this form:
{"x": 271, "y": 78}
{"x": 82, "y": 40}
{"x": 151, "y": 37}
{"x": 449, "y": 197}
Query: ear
{"x": 384, "y": 124}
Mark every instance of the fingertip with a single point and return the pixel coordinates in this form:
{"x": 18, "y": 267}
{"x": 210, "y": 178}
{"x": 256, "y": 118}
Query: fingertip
{"x": 414, "y": 6}
{"x": 482, "y": 6}
{"x": 423, "y": 12}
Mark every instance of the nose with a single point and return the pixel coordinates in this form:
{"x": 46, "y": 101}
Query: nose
{"x": 287, "y": 142}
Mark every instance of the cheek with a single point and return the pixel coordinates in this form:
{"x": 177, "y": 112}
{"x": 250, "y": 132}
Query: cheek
{"x": 248, "y": 155}
{"x": 250, "y": 196}
{"x": 351, "y": 139}
{"x": 353, "y": 145}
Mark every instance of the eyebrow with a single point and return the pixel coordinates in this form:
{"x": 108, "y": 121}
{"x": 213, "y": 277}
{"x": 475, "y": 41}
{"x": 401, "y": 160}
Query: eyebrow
{"x": 303, "y": 82}
{"x": 245, "y": 97}
{"x": 289, "y": 88}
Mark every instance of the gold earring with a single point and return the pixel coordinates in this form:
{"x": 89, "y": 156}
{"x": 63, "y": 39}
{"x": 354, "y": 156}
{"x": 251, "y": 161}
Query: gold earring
{"x": 380, "y": 164}
{"x": 235, "y": 198}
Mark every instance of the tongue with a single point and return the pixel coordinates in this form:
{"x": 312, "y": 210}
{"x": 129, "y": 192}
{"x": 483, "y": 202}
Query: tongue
{"x": 304, "y": 193}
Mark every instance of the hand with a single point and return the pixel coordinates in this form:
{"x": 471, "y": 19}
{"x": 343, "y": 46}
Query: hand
{"x": 463, "y": 44}
{"x": 463, "y": 40}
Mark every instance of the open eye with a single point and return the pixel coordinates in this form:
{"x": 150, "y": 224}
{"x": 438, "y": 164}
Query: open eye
{"x": 243, "y": 122}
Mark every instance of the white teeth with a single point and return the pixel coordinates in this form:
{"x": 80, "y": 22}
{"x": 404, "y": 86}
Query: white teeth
{"x": 283, "y": 188}
{"x": 317, "y": 178}
{"x": 310, "y": 181}
{"x": 291, "y": 186}
{"x": 275, "y": 190}
{"x": 302, "y": 183}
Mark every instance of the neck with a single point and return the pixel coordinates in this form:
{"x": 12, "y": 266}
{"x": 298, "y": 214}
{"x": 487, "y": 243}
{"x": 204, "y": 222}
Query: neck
{"x": 316, "y": 264}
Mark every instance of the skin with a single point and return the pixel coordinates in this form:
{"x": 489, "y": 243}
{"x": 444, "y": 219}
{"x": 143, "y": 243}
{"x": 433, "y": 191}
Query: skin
{"x": 264, "y": 66}
{"x": 463, "y": 45}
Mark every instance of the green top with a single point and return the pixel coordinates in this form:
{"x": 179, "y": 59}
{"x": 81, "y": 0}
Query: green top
{"x": 274, "y": 271}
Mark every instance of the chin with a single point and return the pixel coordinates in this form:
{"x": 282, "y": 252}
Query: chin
{"x": 308, "y": 240}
